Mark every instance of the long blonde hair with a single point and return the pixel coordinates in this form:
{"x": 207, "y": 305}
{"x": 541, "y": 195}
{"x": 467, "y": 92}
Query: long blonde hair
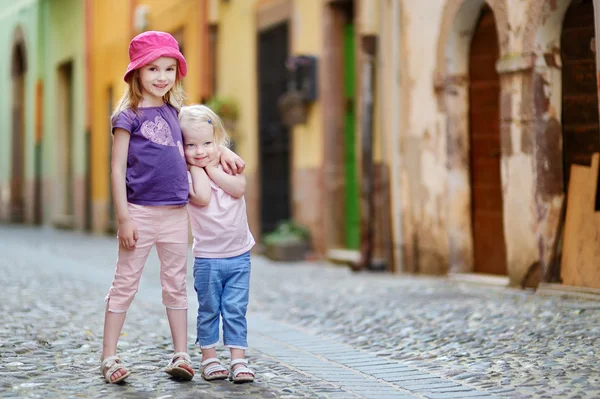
{"x": 133, "y": 95}
{"x": 197, "y": 114}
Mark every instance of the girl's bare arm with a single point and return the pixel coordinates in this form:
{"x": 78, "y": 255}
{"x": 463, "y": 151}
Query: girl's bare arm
{"x": 234, "y": 185}
{"x": 127, "y": 230}
{"x": 200, "y": 191}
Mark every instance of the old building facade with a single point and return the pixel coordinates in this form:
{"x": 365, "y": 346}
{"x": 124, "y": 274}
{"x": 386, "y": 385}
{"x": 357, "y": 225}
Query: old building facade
{"x": 496, "y": 99}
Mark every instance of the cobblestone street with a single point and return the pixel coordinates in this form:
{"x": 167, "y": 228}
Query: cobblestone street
{"x": 315, "y": 331}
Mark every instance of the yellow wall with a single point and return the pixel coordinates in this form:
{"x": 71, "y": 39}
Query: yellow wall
{"x": 307, "y": 38}
{"x": 109, "y": 58}
{"x": 111, "y": 33}
{"x": 237, "y": 72}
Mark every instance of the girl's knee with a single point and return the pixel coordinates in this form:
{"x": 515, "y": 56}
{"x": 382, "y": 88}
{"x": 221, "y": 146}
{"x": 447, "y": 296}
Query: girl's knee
{"x": 175, "y": 299}
{"x": 118, "y": 302}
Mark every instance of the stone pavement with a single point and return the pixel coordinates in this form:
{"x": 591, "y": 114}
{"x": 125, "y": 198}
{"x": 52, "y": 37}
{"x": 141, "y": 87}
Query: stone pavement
{"x": 315, "y": 331}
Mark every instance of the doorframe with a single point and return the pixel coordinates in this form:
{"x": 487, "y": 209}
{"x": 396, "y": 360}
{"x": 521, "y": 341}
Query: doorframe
{"x": 451, "y": 84}
{"x": 274, "y": 12}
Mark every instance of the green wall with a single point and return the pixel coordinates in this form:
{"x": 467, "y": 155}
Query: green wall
{"x": 63, "y": 34}
{"x": 54, "y": 34}
{"x": 14, "y": 15}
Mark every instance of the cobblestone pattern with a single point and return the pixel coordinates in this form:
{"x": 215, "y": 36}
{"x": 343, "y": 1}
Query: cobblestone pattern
{"x": 509, "y": 342}
{"x": 51, "y": 329}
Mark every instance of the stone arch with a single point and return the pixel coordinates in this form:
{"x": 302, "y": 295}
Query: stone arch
{"x": 459, "y": 20}
{"x": 18, "y": 150}
{"x": 534, "y": 21}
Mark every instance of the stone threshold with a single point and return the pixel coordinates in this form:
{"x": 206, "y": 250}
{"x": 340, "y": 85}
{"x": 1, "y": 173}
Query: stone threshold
{"x": 477, "y": 278}
{"x": 568, "y": 291}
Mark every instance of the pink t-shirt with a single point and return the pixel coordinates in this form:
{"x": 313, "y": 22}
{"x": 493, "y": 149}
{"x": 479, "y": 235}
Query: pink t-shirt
{"x": 220, "y": 229}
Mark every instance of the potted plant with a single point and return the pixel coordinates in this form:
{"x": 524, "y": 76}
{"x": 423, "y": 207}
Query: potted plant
{"x": 288, "y": 242}
{"x": 227, "y": 108}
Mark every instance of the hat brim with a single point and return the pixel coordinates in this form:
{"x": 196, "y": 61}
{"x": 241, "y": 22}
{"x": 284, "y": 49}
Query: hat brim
{"x": 156, "y": 53}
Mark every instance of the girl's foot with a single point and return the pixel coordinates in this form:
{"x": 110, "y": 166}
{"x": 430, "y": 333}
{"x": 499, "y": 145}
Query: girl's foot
{"x": 240, "y": 371}
{"x": 212, "y": 369}
{"x": 180, "y": 367}
{"x": 113, "y": 370}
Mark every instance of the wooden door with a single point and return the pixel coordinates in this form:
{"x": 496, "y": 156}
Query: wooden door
{"x": 274, "y": 140}
{"x": 484, "y": 121}
{"x": 66, "y": 138}
{"x": 579, "y": 97}
{"x": 17, "y": 186}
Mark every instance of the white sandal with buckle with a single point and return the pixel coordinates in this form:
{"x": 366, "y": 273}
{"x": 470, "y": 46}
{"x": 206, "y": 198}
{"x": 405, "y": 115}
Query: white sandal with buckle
{"x": 111, "y": 365}
{"x": 212, "y": 366}
{"x": 235, "y": 373}
{"x": 174, "y": 368}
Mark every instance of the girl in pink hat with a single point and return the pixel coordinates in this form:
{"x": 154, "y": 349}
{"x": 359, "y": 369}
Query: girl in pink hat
{"x": 150, "y": 192}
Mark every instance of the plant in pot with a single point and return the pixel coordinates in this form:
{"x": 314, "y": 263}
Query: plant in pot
{"x": 288, "y": 242}
{"x": 228, "y": 110}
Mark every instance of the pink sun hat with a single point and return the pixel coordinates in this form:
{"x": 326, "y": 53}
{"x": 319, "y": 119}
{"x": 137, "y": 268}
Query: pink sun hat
{"x": 151, "y": 45}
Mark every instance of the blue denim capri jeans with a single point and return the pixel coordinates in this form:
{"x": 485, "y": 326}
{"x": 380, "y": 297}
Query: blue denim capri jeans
{"x": 222, "y": 286}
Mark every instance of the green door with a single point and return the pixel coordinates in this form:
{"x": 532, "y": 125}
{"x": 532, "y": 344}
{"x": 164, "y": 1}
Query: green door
{"x": 352, "y": 217}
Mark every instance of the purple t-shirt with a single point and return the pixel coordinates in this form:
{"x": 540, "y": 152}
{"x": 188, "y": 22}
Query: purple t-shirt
{"x": 156, "y": 168}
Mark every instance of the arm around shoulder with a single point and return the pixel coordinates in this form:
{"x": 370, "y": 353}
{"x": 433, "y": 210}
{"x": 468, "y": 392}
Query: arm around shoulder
{"x": 234, "y": 185}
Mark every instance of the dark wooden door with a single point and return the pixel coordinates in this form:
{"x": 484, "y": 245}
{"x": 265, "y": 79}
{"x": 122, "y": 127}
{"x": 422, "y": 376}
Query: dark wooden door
{"x": 579, "y": 97}
{"x": 274, "y": 140}
{"x": 17, "y": 187}
{"x": 484, "y": 121}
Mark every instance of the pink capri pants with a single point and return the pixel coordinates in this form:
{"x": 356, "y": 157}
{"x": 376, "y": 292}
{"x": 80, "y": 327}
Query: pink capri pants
{"x": 167, "y": 228}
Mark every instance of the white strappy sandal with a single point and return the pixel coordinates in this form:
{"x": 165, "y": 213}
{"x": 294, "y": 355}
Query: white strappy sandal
{"x": 174, "y": 368}
{"x": 235, "y": 373}
{"x": 111, "y": 365}
{"x": 212, "y": 366}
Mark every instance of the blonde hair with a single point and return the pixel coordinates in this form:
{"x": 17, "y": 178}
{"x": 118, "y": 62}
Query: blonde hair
{"x": 133, "y": 95}
{"x": 197, "y": 114}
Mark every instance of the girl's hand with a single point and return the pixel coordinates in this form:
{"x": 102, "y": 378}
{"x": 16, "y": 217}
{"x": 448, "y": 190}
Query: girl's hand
{"x": 214, "y": 162}
{"x": 231, "y": 162}
{"x": 128, "y": 235}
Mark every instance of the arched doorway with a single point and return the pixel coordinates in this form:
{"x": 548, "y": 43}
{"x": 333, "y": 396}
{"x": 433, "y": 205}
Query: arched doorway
{"x": 581, "y": 136}
{"x": 489, "y": 253}
{"x": 17, "y": 189}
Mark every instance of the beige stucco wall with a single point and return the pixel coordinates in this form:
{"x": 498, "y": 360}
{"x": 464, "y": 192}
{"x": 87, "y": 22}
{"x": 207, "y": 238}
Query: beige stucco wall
{"x": 422, "y": 58}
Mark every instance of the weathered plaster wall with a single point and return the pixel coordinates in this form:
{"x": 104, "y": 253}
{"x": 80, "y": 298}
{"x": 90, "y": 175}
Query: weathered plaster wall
{"x": 423, "y": 142}
{"x": 434, "y": 184}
